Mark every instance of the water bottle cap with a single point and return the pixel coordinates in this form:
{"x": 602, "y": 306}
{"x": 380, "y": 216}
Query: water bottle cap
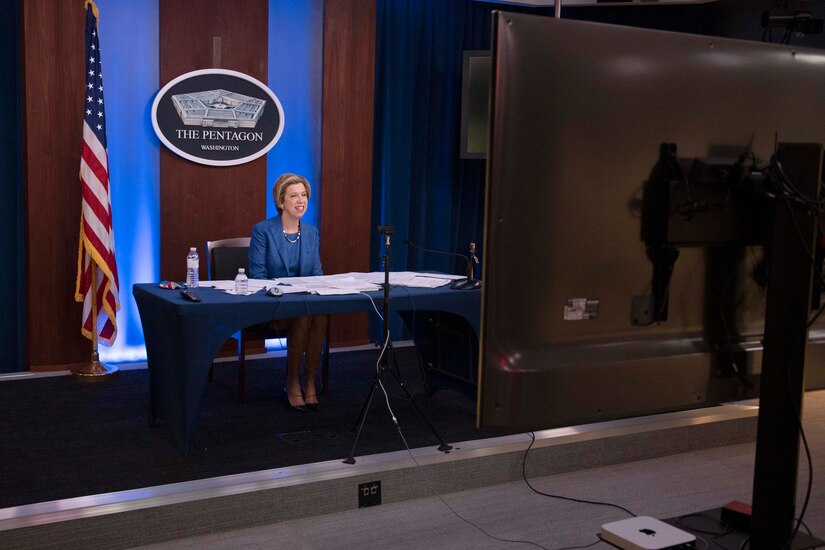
{"x": 192, "y": 249}
{"x": 241, "y": 270}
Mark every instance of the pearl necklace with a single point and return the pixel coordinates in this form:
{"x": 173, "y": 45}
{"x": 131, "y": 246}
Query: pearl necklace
{"x": 298, "y": 238}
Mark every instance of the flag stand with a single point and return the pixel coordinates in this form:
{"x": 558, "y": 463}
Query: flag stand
{"x": 94, "y": 369}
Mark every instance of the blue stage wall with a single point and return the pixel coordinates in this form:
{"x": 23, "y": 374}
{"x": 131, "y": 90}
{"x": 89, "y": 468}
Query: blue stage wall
{"x": 129, "y": 52}
{"x": 129, "y": 45}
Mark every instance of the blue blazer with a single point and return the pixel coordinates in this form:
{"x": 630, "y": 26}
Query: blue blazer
{"x": 267, "y": 250}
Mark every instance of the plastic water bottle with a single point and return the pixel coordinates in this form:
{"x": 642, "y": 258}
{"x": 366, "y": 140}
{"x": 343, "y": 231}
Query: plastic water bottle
{"x": 241, "y": 283}
{"x": 192, "y": 263}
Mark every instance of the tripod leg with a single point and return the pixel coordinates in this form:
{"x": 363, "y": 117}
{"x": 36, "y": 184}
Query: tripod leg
{"x": 365, "y": 407}
{"x": 361, "y": 419}
{"x": 396, "y": 372}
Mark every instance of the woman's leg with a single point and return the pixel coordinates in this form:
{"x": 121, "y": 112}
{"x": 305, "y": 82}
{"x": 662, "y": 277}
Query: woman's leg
{"x": 296, "y": 342}
{"x": 314, "y": 349}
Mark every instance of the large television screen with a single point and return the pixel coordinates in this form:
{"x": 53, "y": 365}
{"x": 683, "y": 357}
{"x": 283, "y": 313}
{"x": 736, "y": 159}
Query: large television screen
{"x": 579, "y": 116}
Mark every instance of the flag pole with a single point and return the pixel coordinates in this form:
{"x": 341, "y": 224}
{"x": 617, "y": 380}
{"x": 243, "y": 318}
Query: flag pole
{"x": 96, "y": 248}
{"x": 94, "y": 369}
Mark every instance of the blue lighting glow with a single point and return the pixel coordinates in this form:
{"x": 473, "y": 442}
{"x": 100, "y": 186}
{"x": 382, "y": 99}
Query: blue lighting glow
{"x": 129, "y": 51}
{"x": 129, "y": 46}
{"x": 296, "y": 57}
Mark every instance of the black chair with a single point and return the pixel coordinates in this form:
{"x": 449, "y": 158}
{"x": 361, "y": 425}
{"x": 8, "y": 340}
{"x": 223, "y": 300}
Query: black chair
{"x": 224, "y": 258}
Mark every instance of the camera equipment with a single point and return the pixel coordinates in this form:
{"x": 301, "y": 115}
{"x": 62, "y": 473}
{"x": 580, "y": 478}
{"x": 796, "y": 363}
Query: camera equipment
{"x": 386, "y": 361}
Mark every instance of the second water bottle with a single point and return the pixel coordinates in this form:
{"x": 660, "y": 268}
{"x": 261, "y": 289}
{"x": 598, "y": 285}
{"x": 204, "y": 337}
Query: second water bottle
{"x": 241, "y": 282}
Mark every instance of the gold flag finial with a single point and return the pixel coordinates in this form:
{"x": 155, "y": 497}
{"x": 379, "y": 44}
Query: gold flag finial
{"x": 88, "y": 3}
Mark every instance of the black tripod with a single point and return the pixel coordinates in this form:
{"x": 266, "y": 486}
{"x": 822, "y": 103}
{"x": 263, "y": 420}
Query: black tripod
{"x": 385, "y": 361}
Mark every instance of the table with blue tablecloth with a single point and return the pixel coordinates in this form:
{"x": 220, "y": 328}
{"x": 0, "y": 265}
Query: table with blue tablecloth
{"x": 183, "y": 337}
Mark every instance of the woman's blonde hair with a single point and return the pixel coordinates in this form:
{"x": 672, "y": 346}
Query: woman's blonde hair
{"x": 284, "y": 181}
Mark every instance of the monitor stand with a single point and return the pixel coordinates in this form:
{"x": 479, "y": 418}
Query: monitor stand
{"x": 701, "y": 523}
{"x": 782, "y": 385}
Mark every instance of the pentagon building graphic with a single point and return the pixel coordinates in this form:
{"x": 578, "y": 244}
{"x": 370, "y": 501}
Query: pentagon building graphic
{"x": 218, "y": 108}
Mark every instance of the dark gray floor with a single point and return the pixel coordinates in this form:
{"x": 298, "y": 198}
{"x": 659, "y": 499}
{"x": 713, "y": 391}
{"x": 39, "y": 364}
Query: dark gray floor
{"x": 667, "y": 487}
{"x": 58, "y": 423}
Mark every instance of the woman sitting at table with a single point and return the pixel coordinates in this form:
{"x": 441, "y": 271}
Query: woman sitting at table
{"x": 282, "y": 246}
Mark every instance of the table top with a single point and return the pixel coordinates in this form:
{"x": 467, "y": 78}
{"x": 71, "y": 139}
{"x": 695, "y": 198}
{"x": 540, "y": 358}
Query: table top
{"x": 267, "y": 307}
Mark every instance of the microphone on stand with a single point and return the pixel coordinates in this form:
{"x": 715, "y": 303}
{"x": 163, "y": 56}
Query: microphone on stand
{"x": 470, "y": 283}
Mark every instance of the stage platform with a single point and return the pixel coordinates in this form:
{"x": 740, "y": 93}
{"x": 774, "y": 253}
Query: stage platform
{"x": 129, "y": 518}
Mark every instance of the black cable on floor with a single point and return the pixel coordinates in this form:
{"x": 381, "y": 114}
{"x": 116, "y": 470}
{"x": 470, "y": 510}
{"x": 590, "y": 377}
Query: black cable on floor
{"x": 459, "y": 516}
{"x": 561, "y": 497}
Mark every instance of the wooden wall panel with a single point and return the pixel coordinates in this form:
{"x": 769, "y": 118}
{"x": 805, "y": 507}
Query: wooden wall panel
{"x": 347, "y": 142}
{"x": 200, "y": 203}
{"x": 53, "y": 85}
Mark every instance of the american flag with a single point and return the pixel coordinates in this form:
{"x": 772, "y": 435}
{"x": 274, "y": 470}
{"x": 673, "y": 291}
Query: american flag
{"x": 96, "y": 257}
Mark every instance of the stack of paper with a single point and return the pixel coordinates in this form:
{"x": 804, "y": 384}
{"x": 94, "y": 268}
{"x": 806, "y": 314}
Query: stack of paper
{"x": 344, "y": 283}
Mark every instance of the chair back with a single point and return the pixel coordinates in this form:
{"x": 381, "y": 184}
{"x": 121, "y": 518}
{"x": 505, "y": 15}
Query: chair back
{"x": 226, "y": 256}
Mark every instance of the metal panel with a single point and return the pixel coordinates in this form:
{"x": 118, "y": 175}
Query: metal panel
{"x": 578, "y": 113}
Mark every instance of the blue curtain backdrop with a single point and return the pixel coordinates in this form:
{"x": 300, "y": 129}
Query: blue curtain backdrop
{"x": 420, "y": 185}
{"x": 12, "y": 295}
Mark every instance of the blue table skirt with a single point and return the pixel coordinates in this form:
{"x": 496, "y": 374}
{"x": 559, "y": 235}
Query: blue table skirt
{"x": 182, "y": 337}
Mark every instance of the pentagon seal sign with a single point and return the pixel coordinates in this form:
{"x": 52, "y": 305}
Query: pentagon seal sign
{"x": 217, "y": 117}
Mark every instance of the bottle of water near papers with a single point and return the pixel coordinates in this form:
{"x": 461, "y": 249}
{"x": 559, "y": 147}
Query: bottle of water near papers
{"x": 241, "y": 283}
{"x": 192, "y": 262}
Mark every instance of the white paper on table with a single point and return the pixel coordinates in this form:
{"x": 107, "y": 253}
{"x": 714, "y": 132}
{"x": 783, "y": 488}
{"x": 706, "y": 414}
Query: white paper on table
{"x": 396, "y": 277}
{"x": 426, "y": 282}
{"x": 256, "y": 285}
{"x": 253, "y": 286}
{"x": 402, "y": 278}
{"x": 347, "y": 283}
{"x": 325, "y": 283}
{"x": 335, "y": 291}
{"x": 220, "y": 285}
{"x": 350, "y": 281}
{"x": 447, "y": 276}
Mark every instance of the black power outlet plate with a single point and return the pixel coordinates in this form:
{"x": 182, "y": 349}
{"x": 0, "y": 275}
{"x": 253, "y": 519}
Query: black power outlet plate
{"x": 369, "y": 494}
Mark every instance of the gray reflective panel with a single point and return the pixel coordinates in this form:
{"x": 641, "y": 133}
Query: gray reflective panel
{"x": 579, "y": 111}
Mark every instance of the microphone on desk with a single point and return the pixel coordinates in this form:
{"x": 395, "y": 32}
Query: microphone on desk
{"x": 470, "y": 283}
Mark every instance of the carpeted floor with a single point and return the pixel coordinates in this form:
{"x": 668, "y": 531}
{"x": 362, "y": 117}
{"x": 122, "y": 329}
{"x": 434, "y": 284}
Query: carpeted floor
{"x": 61, "y": 438}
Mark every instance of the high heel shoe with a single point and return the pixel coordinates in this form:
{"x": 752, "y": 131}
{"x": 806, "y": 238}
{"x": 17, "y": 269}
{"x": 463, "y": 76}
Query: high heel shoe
{"x": 297, "y": 408}
{"x": 312, "y": 406}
